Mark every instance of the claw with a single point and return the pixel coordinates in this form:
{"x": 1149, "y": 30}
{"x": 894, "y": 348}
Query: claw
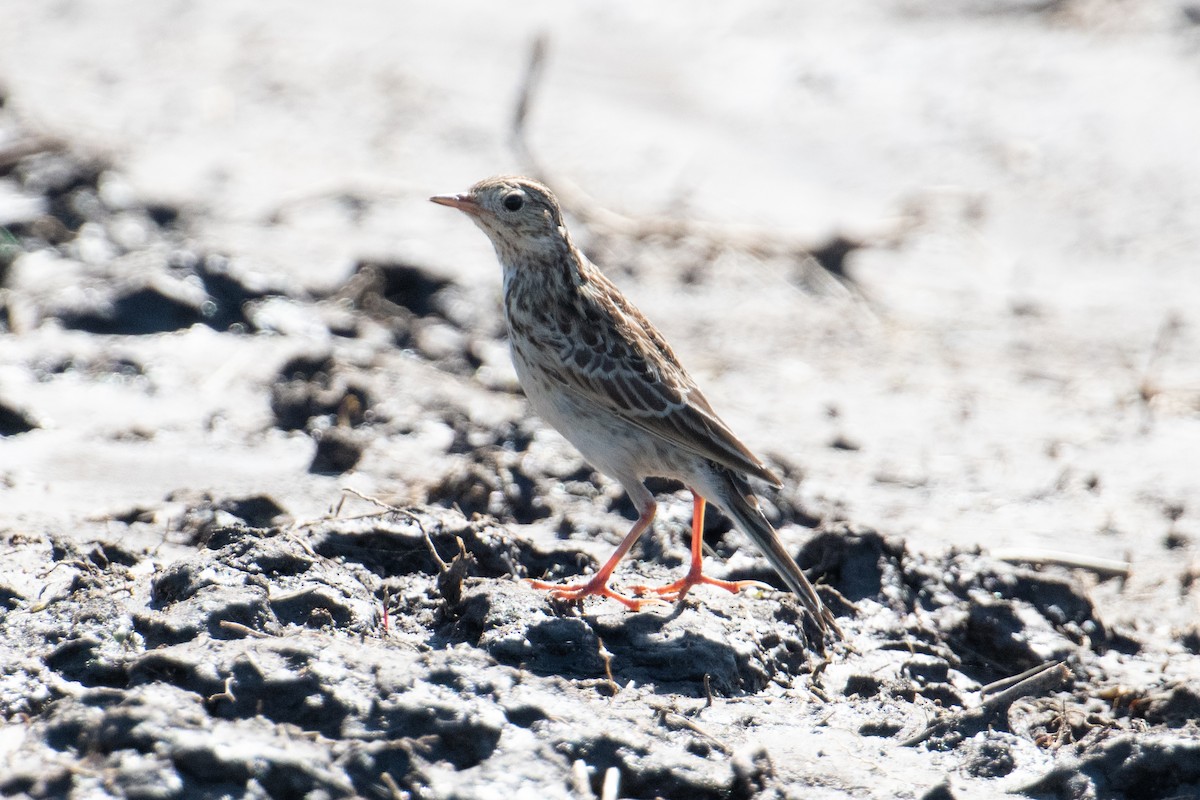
{"x": 675, "y": 592}
{"x": 596, "y": 586}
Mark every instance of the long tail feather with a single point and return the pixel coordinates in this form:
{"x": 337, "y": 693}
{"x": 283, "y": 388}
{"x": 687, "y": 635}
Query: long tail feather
{"x": 742, "y": 507}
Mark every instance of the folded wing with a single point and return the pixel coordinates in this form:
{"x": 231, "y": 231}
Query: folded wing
{"x": 611, "y": 355}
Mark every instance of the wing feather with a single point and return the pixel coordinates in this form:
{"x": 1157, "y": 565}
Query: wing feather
{"x": 613, "y": 356}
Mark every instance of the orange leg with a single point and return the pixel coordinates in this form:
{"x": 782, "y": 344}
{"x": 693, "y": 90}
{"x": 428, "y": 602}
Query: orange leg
{"x": 598, "y": 585}
{"x": 678, "y": 590}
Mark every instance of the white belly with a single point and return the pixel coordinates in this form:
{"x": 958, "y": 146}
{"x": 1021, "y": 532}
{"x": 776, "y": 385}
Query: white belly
{"x": 613, "y": 446}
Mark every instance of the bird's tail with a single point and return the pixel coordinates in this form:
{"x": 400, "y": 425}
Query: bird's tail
{"x": 740, "y": 504}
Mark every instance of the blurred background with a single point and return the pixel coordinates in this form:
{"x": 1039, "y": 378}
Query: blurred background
{"x": 1009, "y": 190}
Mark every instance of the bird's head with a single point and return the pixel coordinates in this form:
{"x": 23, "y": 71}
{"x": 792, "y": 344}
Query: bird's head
{"x": 519, "y": 215}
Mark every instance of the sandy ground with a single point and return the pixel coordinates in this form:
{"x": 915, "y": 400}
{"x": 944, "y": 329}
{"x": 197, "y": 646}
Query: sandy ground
{"x": 227, "y": 299}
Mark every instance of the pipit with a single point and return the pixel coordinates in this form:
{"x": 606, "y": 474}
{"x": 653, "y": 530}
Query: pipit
{"x": 596, "y": 369}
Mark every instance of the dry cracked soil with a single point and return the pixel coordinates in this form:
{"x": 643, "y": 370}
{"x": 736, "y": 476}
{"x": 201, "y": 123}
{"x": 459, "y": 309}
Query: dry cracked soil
{"x": 268, "y": 485}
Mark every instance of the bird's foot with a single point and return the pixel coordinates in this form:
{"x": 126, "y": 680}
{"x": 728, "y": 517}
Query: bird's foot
{"x": 675, "y": 592}
{"x": 597, "y": 586}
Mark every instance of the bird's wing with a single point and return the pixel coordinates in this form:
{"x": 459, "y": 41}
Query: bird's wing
{"x": 611, "y": 355}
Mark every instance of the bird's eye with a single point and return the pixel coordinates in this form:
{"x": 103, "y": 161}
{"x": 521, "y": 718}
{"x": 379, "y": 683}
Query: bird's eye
{"x": 514, "y": 201}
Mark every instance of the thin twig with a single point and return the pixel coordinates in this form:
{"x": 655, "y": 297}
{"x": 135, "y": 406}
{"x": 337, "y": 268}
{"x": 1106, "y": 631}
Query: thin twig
{"x": 443, "y": 566}
{"x": 245, "y": 630}
{"x": 677, "y": 721}
{"x": 607, "y": 657}
{"x": 227, "y": 694}
{"x": 450, "y": 574}
{"x": 1011, "y": 680}
{"x": 753, "y": 240}
{"x": 335, "y": 512}
{"x": 1103, "y": 567}
{"x": 1043, "y": 679}
{"x": 372, "y": 500}
{"x": 529, "y": 86}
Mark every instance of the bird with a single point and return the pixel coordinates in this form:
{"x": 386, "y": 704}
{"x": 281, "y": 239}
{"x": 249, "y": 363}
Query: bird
{"x": 595, "y": 368}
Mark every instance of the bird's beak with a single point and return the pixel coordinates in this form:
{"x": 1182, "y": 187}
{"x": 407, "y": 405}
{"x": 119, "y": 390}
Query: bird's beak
{"x": 463, "y": 202}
